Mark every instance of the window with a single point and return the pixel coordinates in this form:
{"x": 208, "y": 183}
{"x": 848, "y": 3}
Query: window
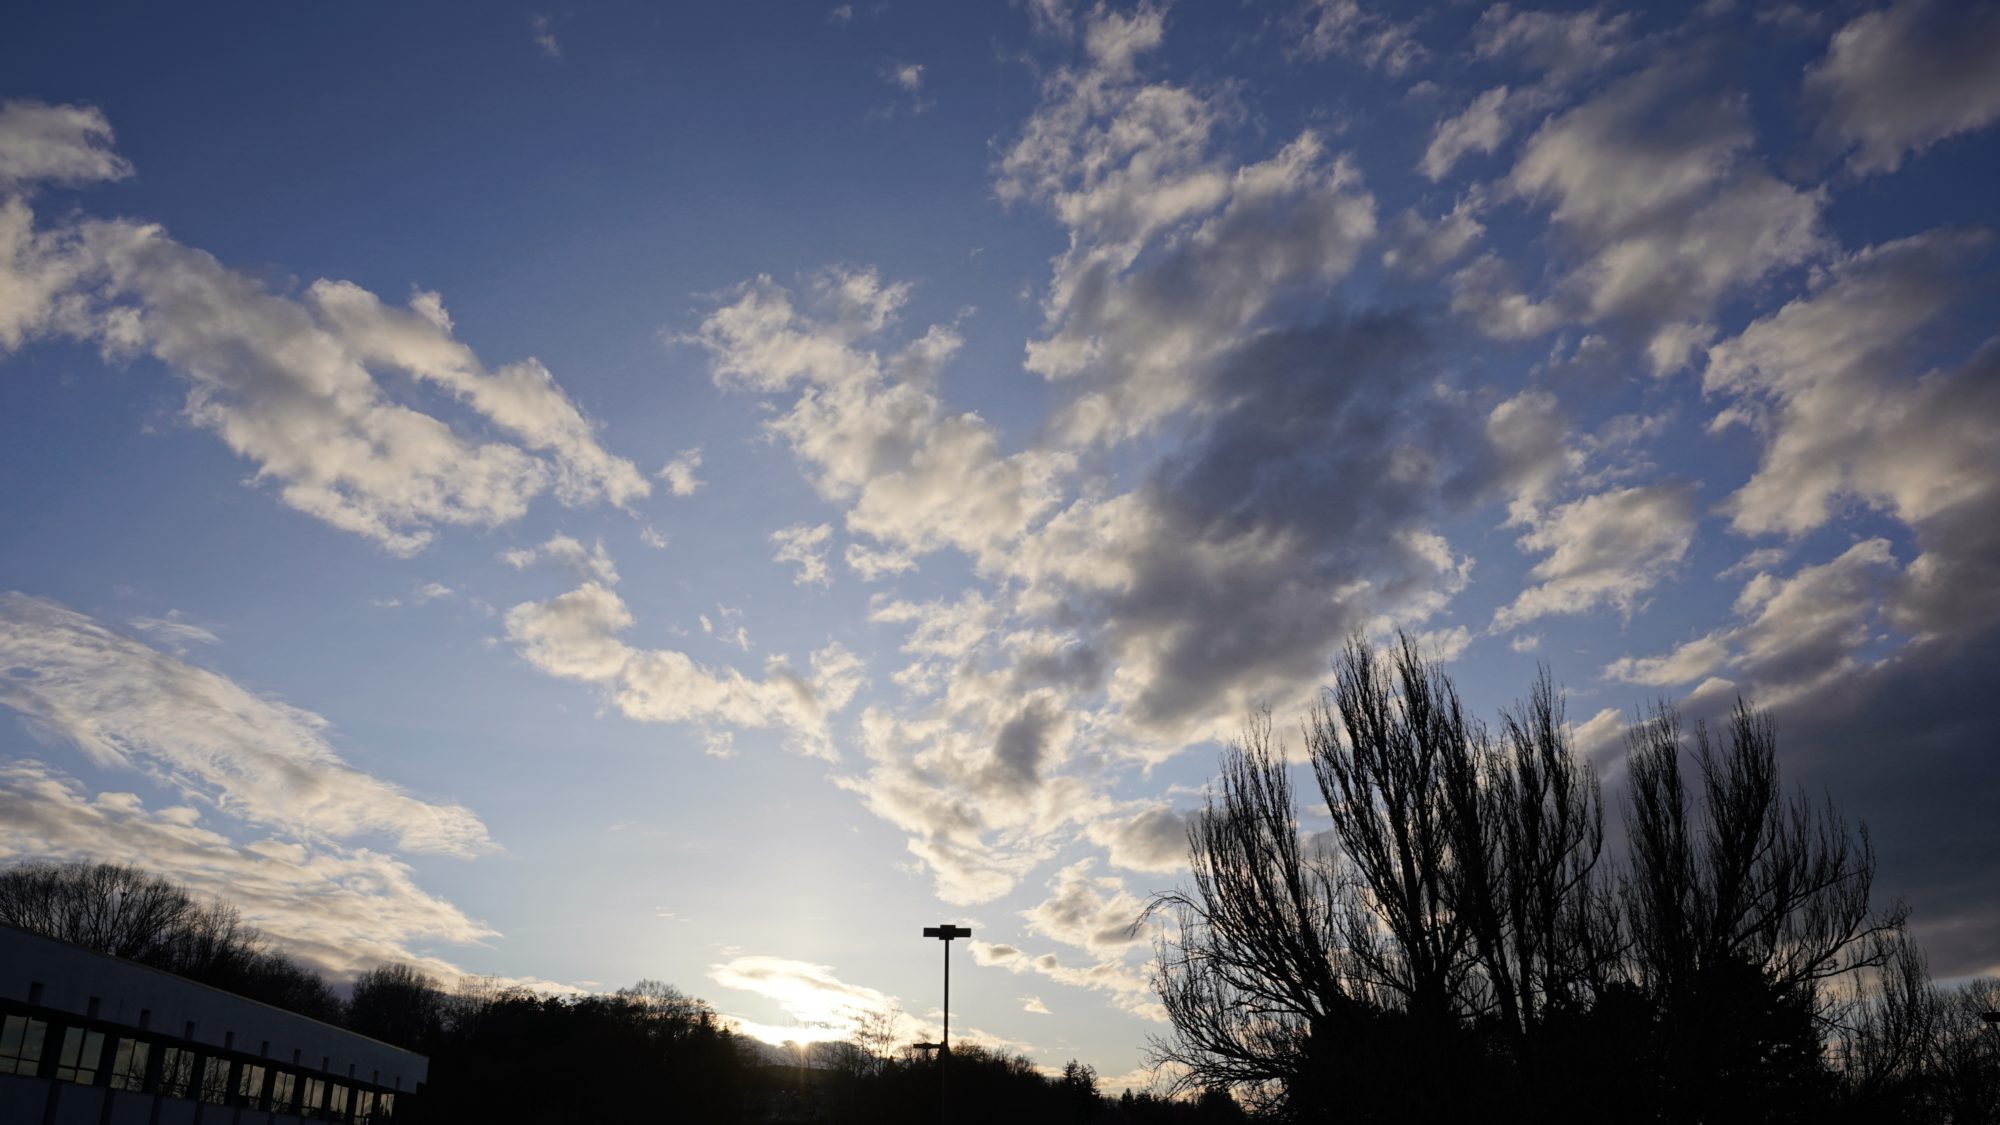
{"x": 312, "y": 1097}
{"x": 128, "y": 1065}
{"x": 82, "y": 1053}
{"x": 385, "y": 1107}
{"x": 282, "y": 1084}
{"x": 215, "y": 1081}
{"x": 21, "y": 1044}
{"x": 176, "y": 1072}
{"x": 336, "y": 1101}
{"x": 250, "y": 1085}
{"x": 364, "y": 1105}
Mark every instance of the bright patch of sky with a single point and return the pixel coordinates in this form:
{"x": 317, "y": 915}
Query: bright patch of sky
{"x": 704, "y": 492}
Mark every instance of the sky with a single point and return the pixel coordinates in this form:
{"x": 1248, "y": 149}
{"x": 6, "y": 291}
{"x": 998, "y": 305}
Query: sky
{"x": 702, "y": 492}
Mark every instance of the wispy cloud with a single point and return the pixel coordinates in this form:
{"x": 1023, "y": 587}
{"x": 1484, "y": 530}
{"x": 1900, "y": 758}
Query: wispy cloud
{"x": 125, "y": 705}
{"x": 542, "y": 31}
{"x": 290, "y": 383}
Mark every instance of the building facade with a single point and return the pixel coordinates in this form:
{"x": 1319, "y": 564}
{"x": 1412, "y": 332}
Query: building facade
{"x": 95, "y": 1040}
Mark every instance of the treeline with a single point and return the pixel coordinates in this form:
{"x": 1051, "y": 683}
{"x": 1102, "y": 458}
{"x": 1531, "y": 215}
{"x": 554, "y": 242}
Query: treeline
{"x": 1459, "y": 944}
{"x": 126, "y": 912}
{"x": 500, "y": 1054}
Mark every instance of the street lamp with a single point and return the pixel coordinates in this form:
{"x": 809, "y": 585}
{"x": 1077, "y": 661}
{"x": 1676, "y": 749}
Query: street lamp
{"x": 945, "y": 933}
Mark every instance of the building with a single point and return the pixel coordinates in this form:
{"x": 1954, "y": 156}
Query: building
{"x": 95, "y": 1040}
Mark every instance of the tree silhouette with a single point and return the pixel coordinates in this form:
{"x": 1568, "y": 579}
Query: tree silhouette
{"x": 1455, "y": 943}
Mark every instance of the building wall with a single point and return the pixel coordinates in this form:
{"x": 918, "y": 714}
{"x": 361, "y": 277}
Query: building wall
{"x": 105, "y": 1010}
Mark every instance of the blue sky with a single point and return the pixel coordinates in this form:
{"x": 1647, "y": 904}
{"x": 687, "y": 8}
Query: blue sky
{"x": 702, "y": 493}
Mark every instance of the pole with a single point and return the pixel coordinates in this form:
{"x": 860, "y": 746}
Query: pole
{"x": 945, "y": 933}
{"x": 944, "y": 1045}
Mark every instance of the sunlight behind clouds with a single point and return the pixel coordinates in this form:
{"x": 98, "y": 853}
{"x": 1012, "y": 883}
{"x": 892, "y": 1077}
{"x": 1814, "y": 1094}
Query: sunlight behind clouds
{"x": 1027, "y": 397}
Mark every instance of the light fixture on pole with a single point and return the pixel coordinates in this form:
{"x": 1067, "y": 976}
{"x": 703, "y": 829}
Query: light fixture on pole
{"x": 945, "y": 933}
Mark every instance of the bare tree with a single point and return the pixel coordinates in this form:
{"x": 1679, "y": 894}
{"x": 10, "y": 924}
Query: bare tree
{"x": 1884, "y": 1046}
{"x": 1387, "y": 767}
{"x": 398, "y": 1004}
{"x": 128, "y": 912}
{"x": 1529, "y": 835}
{"x": 1963, "y": 1062}
{"x": 105, "y": 907}
{"x": 1253, "y": 964}
{"x": 1753, "y": 876}
{"x": 1742, "y": 906}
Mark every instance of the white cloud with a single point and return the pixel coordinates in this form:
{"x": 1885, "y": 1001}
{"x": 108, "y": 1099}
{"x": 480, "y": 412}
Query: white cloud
{"x": 592, "y": 563}
{"x": 1564, "y": 45}
{"x": 1684, "y": 665}
{"x": 341, "y": 909}
{"x": 576, "y": 636}
{"x": 873, "y": 565}
{"x": 1849, "y": 419}
{"x": 1899, "y": 79}
{"x": 976, "y": 781}
{"x": 679, "y": 473}
{"x": 805, "y": 547}
{"x": 1488, "y": 293}
{"x": 822, "y": 1006}
{"x": 1793, "y": 635}
{"x": 126, "y": 705}
{"x": 1155, "y": 839}
{"x": 1128, "y": 988}
{"x": 870, "y": 430}
{"x": 1601, "y": 738}
{"x": 1146, "y": 337}
{"x": 38, "y": 269}
{"x": 1827, "y": 381}
{"x": 1480, "y": 127}
{"x": 1606, "y": 549}
{"x": 1444, "y": 645}
{"x": 175, "y": 629}
{"x": 1344, "y": 27}
{"x": 1531, "y": 435}
{"x": 1093, "y": 913}
{"x": 1761, "y": 559}
{"x": 1662, "y": 212}
{"x": 1422, "y": 246}
{"x": 64, "y": 144}
{"x": 289, "y": 383}
{"x": 1115, "y": 40}
{"x": 1176, "y": 253}
{"x": 545, "y": 36}
{"x": 1129, "y": 622}
{"x": 521, "y": 398}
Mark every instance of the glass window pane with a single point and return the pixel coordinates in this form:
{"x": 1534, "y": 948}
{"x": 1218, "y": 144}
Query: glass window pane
{"x": 312, "y": 1096}
{"x": 81, "y": 1051}
{"x": 176, "y": 1072}
{"x": 282, "y": 1086}
{"x": 336, "y": 1101}
{"x": 215, "y": 1082}
{"x": 128, "y": 1065}
{"x": 250, "y": 1084}
{"x": 21, "y": 1044}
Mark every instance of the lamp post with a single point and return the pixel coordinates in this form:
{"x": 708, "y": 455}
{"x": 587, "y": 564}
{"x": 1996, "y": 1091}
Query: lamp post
{"x": 945, "y": 933}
